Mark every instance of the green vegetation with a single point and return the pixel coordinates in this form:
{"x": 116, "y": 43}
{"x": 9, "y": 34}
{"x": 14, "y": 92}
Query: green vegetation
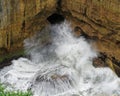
{"x": 12, "y": 55}
{"x": 12, "y": 93}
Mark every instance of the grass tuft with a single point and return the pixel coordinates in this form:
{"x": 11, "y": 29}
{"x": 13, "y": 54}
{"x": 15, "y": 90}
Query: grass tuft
{"x": 13, "y": 93}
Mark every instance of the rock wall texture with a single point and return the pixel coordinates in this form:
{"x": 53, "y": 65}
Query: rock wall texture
{"x": 20, "y": 19}
{"x": 96, "y": 19}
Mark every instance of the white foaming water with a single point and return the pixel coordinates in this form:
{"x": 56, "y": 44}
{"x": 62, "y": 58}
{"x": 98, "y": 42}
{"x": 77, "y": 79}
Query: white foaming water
{"x": 62, "y": 67}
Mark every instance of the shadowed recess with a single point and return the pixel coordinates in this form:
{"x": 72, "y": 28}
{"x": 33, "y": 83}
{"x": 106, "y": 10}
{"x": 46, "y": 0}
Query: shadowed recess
{"x": 55, "y": 18}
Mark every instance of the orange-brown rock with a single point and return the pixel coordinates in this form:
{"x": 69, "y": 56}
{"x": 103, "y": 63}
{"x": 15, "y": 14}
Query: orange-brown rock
{"x": 99, "y": 20}
{"x": 94, "y": 19}
{"x": 21, "y": 18}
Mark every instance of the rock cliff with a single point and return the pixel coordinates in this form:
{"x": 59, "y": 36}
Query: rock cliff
{"x": 20, "y": 19}
{"x": 95, "y": 19}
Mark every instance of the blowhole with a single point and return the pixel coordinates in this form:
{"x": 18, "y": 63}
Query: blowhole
{"x": 55, "y": 18}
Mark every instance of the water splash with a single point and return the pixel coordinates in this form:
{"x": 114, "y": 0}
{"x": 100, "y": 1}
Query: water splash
{"x": 60, "y": 66}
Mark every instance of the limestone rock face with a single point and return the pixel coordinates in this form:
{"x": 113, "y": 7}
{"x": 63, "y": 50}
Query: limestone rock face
{"x": 20, "y": 19}
{"x": 99, "y": 20}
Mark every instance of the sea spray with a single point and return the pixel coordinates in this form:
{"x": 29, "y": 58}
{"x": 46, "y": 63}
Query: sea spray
{"x": 59, "y": 64}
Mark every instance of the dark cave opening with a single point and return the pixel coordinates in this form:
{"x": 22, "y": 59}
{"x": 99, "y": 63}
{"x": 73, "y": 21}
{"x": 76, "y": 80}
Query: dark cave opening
{"x": 55, "y": 18}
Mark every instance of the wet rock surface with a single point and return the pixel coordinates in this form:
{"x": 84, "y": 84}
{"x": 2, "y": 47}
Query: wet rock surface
{"x": 97, "y": 20}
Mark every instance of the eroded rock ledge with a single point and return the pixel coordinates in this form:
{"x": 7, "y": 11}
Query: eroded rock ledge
{"x": 96, "y": 19}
